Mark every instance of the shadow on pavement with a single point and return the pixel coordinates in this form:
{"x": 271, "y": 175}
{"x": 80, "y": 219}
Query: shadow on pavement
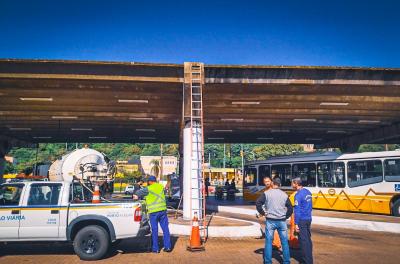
{"x": 138, "y": 245}
{"x": 132, "y": 245}
{"x": 36, "y": 248}
{"x": 277, "y": 254}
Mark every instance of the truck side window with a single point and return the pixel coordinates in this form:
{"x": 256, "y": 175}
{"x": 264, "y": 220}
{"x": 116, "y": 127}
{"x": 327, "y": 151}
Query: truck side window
{"x": 10, "y": 194}
{"x": 79, "y": 194}
{"x": 44, "y": 194}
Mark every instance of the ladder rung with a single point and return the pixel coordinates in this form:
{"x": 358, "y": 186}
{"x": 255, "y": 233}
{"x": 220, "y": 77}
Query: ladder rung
{"x": 196, "y": 93}
{"x": 196, "y": 101}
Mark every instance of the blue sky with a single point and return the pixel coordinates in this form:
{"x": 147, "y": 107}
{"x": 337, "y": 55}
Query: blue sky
{"x": 298, "y": 32}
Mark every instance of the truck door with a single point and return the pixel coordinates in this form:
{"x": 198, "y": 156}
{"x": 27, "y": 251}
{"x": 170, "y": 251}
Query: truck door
{"x": 42, "y": 213}
{"x": 10, "y": 210}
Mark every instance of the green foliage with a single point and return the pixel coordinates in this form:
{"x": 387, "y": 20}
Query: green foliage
{"x": 215, "y": 152}
{"x": 376, "y": 147}
{"x": 151, "y": 150}
{"x": 269, "y": 150}
{"x": 9, "y": 168}
{"x": 132, "y": 176}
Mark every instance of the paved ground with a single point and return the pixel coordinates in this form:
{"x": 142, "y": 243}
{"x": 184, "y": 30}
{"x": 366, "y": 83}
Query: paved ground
{"x": 330, "y": 246}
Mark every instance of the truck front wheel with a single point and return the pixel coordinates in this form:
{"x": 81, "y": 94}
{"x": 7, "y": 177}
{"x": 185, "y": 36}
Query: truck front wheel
{"x": 91, "y": 242}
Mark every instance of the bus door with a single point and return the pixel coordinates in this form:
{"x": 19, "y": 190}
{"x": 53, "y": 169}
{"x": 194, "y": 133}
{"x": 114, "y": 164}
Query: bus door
{"x": 331, "y": 186}
{"x": 250, "y": 187}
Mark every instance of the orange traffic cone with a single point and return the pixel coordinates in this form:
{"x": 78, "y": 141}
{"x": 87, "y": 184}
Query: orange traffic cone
{"x": 96, "y": 194}
{"x": 195, "y": 241}
{"x": 277, "y": 241}
{"x": 293, "y": 240}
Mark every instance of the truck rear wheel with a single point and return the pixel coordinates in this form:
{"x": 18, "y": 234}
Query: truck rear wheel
{"x": 91, "y": 242}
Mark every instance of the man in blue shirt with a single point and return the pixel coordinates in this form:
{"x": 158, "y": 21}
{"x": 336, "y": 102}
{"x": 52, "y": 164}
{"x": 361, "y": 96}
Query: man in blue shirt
{"x": 302, "y": 219}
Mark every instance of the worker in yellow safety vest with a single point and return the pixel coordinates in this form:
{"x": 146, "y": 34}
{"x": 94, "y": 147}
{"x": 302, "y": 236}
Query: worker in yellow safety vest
{"x": 157, "y": 209}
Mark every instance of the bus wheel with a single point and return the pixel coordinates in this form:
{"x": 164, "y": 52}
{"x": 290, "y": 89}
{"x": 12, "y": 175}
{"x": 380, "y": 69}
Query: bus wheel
{"x": 396, "y": 208}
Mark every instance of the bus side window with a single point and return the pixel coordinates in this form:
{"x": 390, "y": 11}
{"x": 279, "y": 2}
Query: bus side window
{"x": 306, "y": 172}
{"x": 283, "y": 172}
{"x": 364, "y": 172}
{"x": 392, "y": 170}
{"x": 331, "y": 175}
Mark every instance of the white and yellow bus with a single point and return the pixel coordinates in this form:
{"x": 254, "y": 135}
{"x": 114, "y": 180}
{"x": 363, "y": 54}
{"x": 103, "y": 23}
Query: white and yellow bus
{"x": 361, "y": 182}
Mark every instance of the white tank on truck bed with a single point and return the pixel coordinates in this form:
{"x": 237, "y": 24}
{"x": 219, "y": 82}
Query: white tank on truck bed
{"x": 82, "y": 164}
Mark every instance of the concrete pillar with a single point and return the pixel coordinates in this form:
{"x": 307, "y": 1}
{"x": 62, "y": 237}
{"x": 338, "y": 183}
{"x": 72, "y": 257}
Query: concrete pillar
{"x": 192, "y": 176}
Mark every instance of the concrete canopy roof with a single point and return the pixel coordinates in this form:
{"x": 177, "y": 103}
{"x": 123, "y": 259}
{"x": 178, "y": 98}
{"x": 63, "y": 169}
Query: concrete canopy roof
{"x": 79, "y": 101}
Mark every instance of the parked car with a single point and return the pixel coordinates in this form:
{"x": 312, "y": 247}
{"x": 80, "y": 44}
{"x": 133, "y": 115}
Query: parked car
{"x": 129, "y": 189}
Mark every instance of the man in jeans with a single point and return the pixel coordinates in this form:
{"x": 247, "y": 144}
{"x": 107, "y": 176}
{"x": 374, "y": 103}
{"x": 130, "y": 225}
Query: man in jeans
{"x": 302, "y": 219}
{"x": 268, "y": 185}
{"x": 276, "y": 207}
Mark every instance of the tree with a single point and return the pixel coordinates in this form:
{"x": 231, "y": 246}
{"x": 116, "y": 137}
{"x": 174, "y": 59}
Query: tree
{"x": 9, "y": 168}
{"x": 151, "y": 150}
{"x": 171, "y": 149}
{"x": 375, "y": 147}
{"x": 155, "y": 168}
{"x": 269, "y": 150}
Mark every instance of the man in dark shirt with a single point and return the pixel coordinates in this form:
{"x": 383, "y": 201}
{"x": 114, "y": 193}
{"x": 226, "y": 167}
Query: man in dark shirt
{"x": 302, "y": 219}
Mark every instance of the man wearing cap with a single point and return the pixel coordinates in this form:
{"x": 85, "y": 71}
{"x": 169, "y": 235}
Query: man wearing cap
{"x": 157, "y": 209}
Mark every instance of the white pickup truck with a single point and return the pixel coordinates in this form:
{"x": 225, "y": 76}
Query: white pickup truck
{"x": 58, "y": 211}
